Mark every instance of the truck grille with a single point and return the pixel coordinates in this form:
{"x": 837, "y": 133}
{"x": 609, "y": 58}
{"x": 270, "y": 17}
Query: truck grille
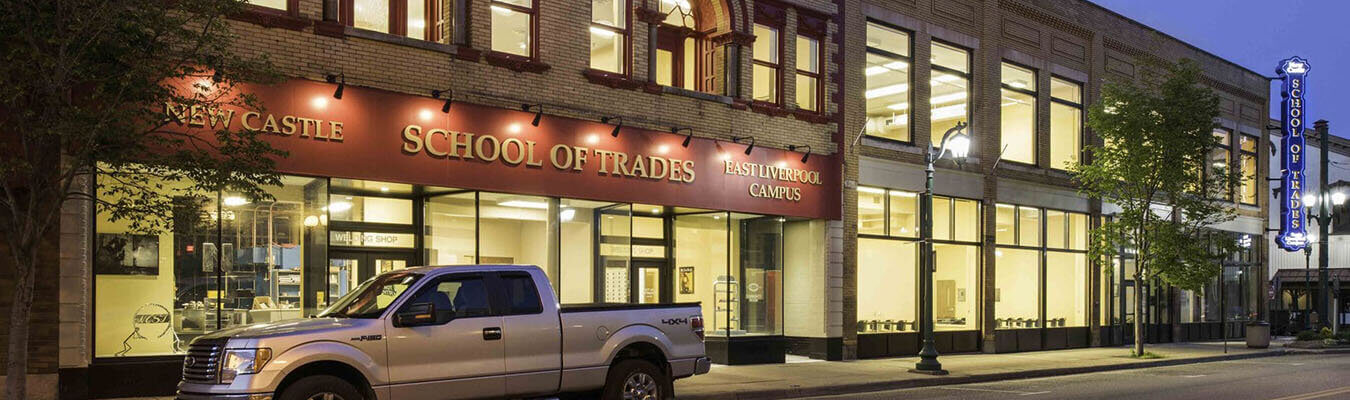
{"x": 202, "y": 360}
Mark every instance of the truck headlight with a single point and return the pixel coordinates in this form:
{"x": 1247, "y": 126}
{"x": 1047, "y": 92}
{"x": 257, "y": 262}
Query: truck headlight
{"x": 243, "y": 362}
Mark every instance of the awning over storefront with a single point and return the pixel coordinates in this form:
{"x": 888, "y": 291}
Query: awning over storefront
{"x": 1295, "y": 277}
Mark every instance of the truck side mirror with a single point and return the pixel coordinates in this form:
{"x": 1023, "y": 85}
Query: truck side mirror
{"x": 416, "y": 315}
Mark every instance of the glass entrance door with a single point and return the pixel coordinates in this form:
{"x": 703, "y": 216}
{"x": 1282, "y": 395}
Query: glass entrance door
{"x": 347, "y": 269}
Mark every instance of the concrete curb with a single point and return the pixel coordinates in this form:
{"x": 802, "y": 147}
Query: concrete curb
{"x": 978, "y": 378}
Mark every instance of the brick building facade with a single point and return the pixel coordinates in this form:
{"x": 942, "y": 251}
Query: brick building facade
{"x": 715, "y": 88}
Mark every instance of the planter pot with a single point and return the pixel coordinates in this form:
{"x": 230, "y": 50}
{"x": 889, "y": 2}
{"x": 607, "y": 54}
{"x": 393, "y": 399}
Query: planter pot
{"x": 1258, "y": 335}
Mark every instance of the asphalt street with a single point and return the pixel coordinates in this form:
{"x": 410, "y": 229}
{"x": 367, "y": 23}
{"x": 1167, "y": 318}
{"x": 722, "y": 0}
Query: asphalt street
{"x": 1295, "y": 377}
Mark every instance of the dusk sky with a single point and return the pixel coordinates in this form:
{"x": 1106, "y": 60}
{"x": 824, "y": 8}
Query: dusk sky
{"x": 1258, "y": 34}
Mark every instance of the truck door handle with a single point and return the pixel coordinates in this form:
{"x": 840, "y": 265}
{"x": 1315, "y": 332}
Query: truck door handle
{"x": 493, "y": 333}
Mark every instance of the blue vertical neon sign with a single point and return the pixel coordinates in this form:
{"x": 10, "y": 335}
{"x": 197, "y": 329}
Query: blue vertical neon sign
{"x": 1293, "y": 221}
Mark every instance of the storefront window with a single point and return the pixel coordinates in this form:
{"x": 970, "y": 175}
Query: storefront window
{"x": 766, "y": 64}
{"x": 886, "y": 285}
{"x": 225, "y": 260}
{"x": 804, "y": 274}
{"x": 609, "y": 35}
{"x": 1066, "y": 282}
{"x": 871, "y": 211}
{"x": 1066, "y": 122}
{"x": 956, "y": 287}
{"x": 702, "y": 260}
{"x": 1017, "y": 288}
{"x": 950, "y": 89}
{"x": 451, "y": 230}
{"x": 513, "y": 229}
{"x": 757, "y": 262}
{"x": 888, "y": 82}
{"x": 513, "y": 26}
{"x": 588, "y": 275}
{"x": 1018, "y": 113}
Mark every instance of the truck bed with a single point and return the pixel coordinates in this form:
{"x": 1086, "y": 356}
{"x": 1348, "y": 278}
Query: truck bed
{"x": 584, "y": 307}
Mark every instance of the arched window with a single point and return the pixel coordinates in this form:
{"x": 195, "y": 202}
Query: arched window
{"x": 684, "y": 56}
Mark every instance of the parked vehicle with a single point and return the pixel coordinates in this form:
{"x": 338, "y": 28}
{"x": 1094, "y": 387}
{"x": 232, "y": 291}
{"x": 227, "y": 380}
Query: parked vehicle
{"x": 449, "y": 333}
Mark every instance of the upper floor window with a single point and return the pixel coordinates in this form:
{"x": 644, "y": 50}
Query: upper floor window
{"x": 513, "y": 26}
{"x": 950, "y": 94}
{"x": 609, "y": 35}
{"x": 1247, "y": 146}
{"x": 1018, "y": 114}
{"x": 274, "y": 4}
{"x": 417, "y": 19}
{"x": 1066, "y": 122}
{"x": 808, "y": 73}
{"x": 683, "y": 56}
{"x": 1220, "y": 158}
{"x": 888, "y": 81}
{"x": 768, "y": 66}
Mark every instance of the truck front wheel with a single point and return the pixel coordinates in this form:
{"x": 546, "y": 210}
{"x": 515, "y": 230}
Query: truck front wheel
{"x": 320, "y": 387}
{"x": 636, "y": 379}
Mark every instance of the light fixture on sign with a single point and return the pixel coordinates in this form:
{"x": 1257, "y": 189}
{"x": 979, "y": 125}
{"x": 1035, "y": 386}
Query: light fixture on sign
{"x": 749, "y": 148}
{"x": 618, "y": 123}
{"x": 687, "y": 138}
{"x": 592, "y": 139}
{"x": 663, "y": 149}
{"x": 341, "y": 80}
{"x": 425, "y": 115}
{"x": 513, "y": 128}
{"x": 319, "y": 102}
{"x": 449, "y": 99}
{"x": 805, "y": 154}
{"x": 538, "y": 113}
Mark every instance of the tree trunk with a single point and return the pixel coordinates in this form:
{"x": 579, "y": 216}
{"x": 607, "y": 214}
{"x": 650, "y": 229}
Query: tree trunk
{"x": 1138, "y": 317}
{"x": 16, "y": 366}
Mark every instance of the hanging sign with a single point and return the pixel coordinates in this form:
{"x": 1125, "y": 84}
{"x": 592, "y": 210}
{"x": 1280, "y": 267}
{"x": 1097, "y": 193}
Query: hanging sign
{"x": 1293, "y": 223}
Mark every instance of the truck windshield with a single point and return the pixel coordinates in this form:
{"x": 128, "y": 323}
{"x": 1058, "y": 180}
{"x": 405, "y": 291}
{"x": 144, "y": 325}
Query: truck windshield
{"x": 371, "y": 298}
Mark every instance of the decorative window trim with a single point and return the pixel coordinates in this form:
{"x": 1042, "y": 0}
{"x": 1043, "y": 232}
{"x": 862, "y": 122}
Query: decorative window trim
{"x": 268, "y": 17}
{"x": 515, "y": 62}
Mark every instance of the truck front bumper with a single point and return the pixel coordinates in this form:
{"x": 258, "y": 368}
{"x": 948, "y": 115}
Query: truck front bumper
{"x": 233, "y": 396}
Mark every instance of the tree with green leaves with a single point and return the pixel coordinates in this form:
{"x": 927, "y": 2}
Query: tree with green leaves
{"x": 1154, "y": 164}
{"x": 84, "y": 89}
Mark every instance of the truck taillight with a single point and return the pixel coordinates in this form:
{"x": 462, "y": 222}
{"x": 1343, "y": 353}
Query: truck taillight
{"x": 696, "y": 323}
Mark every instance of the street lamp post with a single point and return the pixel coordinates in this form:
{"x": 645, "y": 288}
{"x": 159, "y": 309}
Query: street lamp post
{"x": 958, "y": 142}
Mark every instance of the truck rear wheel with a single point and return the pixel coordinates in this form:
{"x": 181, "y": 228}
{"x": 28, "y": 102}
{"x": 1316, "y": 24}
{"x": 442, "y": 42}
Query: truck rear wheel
{"x": 320, "y": 387}
{"x": 635, "y": 379}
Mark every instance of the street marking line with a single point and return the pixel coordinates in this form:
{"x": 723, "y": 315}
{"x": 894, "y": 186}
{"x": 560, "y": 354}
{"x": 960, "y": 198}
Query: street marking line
{"x": 1192, "y": 376}
{"x": 1314, "y": 395}
{"x": 1016, "y": 392}
{"x": 1264, "y": 362}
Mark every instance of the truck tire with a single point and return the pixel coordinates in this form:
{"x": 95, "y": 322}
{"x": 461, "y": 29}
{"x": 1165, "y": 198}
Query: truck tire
{"x": 321, "y": 387}
{"x": 635, "y": 379}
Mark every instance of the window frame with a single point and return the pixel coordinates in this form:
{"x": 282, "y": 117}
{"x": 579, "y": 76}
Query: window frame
{"x": 909, "y": 78}
{"x": 292, "y": 8}
{"x": 430, "y": 283}
{"x": 1226, "y": 146}
{"x": 816, "y": 76}
{"x": 532, "y": 13}
{"x": 398, "y": 18}
{"x": 1035, "y": 113}
{"x": 776, "y": 67}
{"x": 626, "y": 63}
{"x": 969, "y": 77}
{"x": 1082, "y": 116}
{"x": 497, "y": 287}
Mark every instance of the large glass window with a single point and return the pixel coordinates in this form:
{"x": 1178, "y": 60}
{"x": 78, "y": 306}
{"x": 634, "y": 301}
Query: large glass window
{"x": 222, "y": 260}
{"x": 808, "y": 73}
{"x": 609, "y": 35}
{"x": 950, "y": 92}
{"x": 1065, "y": 289}
{"x": 1066, "y": 122}
{"x": 451, "y": 230}
{"x": 1247, "y": 146}
{"x": 587, "y": 275}
{"x": 888, "y": 82}
{"x": 417, "y": 19}
{"x": 888, "y": 262}
{"x": 767, "y": 68}
{"x": 1018, "y": 114}
{"x": 702, "y": 260}
{"x": 1017, "y": 288}
{"x": 513, "y": 26}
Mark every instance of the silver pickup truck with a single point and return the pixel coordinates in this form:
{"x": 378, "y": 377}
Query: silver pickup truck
{"x": 449, "y": 333}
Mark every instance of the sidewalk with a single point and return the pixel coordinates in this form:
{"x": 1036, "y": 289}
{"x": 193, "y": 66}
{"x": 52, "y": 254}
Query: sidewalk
{"x": 810, "y": 378}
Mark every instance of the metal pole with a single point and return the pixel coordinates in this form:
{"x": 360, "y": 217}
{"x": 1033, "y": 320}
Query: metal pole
{"x": 1307, "y": 287}
{"x": 1323, "y": 223}
{"x": 928, "y": 363}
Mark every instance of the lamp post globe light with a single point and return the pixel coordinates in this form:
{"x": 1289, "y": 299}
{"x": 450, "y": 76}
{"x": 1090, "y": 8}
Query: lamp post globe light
{"x": 957, "y": 141}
